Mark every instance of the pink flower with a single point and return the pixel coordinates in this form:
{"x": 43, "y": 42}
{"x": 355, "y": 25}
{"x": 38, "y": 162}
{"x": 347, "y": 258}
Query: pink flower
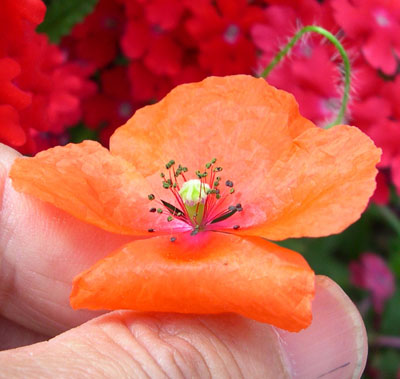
{"x": 375, "y": 26}
{"x": 309, "y": 72}
{"x": 371, "y": 272}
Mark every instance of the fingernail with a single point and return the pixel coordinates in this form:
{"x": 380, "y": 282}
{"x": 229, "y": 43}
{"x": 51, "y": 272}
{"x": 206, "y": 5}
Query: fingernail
{"x": 335, "y": 345}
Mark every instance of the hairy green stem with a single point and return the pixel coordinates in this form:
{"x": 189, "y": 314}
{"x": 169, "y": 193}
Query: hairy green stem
{"x": 317, "y": 29}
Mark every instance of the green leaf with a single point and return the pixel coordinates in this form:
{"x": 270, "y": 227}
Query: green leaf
{"x": 62, "y": 15}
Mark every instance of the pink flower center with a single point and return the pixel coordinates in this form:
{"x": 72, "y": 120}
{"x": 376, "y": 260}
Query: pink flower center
{"x": 200, "y": 202}
{"x": 382, "y": 18}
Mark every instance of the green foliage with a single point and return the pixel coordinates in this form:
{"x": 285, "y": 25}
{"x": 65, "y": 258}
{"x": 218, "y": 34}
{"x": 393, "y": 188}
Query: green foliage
{"x": 387, "y": 362}
{"x": 62, "y": 15}
{"x": 80, "y": 133}
{"x": 330, "y": 255}
{"x": 391, "y": 316}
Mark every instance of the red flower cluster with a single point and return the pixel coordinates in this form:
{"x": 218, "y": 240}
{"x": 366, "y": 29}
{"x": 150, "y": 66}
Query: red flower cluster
{"x": 138, "y": 50}
{"x": 162, "y": 43}
{"x": 40, "y": 92}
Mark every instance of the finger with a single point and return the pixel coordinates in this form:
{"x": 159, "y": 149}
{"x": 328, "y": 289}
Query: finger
{"x": 125, "y": 344}
{"x": 335, "y": 345}
{"x": 13, "y": 335}
{"x": 41, "y": 250}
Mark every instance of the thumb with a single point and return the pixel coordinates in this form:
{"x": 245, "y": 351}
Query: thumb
{"x": 128, "y": 344}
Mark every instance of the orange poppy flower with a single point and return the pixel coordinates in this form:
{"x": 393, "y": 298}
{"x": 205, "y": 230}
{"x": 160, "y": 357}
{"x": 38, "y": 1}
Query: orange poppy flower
{"x": 248, "y": 168}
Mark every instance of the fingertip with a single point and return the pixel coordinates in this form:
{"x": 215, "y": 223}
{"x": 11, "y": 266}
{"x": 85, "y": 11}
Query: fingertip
{"x": 335, "y": 345}
{"x": 8, "y": 155}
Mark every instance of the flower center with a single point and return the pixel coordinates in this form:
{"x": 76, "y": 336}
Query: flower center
{"x": 381, "y": 18}
{"x": 231, "y": 34}
{"x": 200, "y": 202}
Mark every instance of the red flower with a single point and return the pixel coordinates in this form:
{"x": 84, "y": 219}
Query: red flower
{"x": 372, "y": 273}
{"x": 94, "y": 42}
{"x": 39, "y": 91}
{"x": 146, "y": 38}
{"x": 375, "y": 26}
{"x": 147, "y": 87}
{"x": 222, "y": 33}
{"x": 112, "y": 106}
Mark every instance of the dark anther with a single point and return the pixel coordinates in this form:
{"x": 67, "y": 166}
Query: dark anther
{"x": 166, "y": 185}
{"x": 169, "y": 164}
{"x": 236, "y": 227}
{"x": 208, "y": 165}
{"x": 216, "y": 183}
{"x": 229, "y": 183}
{"x": 217, "y": 191}
{"x": 151, "y": 197}
{"x": 232, "y": 208}
{"x": 213, "y": 160}
{"x": 195, "y": 231}
{"x": 150, "y": 230}
{"x": 239, "y": 207}
{"x": 159, "y": 210}
{"x": 162, "y": 175}
{"x": 152, "y": 210}
{"x": 173, "y": 239}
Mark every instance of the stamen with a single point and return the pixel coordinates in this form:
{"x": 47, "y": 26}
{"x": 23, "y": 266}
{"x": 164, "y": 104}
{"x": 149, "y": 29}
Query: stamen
{"x": 236, "y": 227}
{"x": 150, "y": 230}
{"x": 173, "y": 239}
{"x": 199, "y": 201}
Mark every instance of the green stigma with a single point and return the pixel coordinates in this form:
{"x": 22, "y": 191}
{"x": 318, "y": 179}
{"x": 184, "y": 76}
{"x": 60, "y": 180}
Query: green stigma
{"x": 194, "y": 194}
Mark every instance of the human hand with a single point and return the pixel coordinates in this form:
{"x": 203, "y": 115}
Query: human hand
{"x": 43, "y": 248}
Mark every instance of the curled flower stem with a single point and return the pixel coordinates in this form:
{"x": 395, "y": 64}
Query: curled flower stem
{"x": 317, "y": 29}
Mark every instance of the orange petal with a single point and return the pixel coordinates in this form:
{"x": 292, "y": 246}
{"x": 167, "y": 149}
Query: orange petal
{"x": 86, "y": 181}
{"x": 240, "y": 120}
{"x": 207, "y": 273}
{"x": 319, "y": 186}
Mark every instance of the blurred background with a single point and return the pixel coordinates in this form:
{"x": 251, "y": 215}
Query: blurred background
{"x": 74, "y": 70}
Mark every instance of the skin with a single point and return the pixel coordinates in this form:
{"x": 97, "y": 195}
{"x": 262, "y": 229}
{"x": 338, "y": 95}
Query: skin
{"x": 42, "y": 249}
